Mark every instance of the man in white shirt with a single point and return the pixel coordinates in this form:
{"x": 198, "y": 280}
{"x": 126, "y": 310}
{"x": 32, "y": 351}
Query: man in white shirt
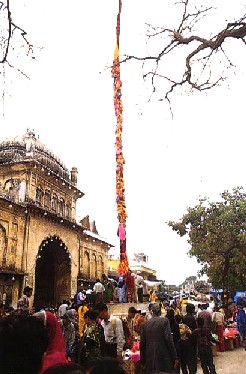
{"x": 113, "y": 332}
{"x": 89, "y": 294}
{"x": 81, "y": 296}
{"x": 98, "y": 289}
{"x": 23, "y": 302}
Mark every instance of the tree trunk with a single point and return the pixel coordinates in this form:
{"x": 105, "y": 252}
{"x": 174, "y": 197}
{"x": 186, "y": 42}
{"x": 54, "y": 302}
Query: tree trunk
{"x": 225, "y": 280}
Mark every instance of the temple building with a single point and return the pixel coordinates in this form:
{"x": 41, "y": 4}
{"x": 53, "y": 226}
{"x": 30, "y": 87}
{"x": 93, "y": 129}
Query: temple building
{"x": 138, "y": 263}
{"x": 41, "y": 244}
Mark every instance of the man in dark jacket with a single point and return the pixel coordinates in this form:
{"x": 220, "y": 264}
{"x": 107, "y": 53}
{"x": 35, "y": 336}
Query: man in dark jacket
{"x": 190, "y": 320}
{"x": 203, "y": 337}
{"x": 157, "y": 351}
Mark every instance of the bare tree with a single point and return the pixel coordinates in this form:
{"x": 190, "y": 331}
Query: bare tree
{"x": 9, "y": 32}
{"x": 199, "y": 52}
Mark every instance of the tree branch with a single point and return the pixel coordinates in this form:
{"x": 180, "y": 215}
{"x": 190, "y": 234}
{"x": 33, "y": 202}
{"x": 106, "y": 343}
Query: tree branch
{"x": 201, "y": 51}
{"x": 11, "y": 28}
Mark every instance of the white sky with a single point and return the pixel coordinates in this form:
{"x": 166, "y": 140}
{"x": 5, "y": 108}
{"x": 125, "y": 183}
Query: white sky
{"x": 68, "y": 101}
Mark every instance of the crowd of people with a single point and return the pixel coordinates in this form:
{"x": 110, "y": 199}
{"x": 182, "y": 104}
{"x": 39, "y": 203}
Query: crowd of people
{"x": 129, "y": 287}
{"x": 82, "y": 336}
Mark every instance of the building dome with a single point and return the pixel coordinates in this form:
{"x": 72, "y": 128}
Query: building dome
{"x": 27, "y": 148}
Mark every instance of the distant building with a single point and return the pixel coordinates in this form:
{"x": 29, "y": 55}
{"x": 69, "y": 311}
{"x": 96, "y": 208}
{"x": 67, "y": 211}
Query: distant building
{"x": 189, "y": 284}
{"x": 172, "y": 288}
{"x": 138, "y": 263}
{"x": 41, "y": 244}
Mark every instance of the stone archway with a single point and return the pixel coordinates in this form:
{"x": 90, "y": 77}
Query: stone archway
{"x": 52, "y": 273}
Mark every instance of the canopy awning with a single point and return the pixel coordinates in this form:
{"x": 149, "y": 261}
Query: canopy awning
{"x": 152, "y": 283}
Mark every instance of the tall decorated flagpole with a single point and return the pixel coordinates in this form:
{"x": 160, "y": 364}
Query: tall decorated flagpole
{"x": 120, "y": 161}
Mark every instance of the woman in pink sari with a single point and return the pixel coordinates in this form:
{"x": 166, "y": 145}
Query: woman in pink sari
{"x": 56, "y": 351}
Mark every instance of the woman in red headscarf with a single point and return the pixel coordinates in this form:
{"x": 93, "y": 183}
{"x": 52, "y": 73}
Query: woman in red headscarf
{"x": 56, "y": 351}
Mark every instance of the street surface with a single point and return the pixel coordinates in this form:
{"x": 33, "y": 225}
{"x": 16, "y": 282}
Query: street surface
{"x": 229, "y": 362}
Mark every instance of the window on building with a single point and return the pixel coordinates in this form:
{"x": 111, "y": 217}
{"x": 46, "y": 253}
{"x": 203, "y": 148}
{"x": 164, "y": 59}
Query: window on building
{"x": 55, "y": 203}
{"x": 39, "y": 195}
{"x": 47, "y": 198}
{"x": 86, "y": 265}
{"x": 94, "y": 266}
{"x": 68, "y": 211}
{"x": 100, "y": 268}
{"x": 62, "y": 207}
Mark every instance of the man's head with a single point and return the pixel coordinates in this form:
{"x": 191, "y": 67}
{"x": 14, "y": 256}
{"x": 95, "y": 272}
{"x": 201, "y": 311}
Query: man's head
{"x": 106, "y": 365}
{"x": 190, "y": 308}
{"x": 156, "y": 310}
{"x": 178, "y": 318}
{"x": 200, "y": 321}
{"x": 150, "y": 306}
{"x": 23, "y": 341}
{"x": 239, "y": 301}
{"x": 132, "y": 311}
{"x": 90, "y": 316}
{"x": 102, "y": 310}
{"x": 170, "y": 314}
{"x": 27, "y": 291}
{"x": 204, "y": 306}
{"x": 69, "y": 368}
{"x": 66, "y": 319}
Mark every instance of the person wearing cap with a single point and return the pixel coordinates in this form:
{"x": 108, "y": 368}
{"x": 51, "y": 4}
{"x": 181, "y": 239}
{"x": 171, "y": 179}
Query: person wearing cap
{"x": 74, "y": 318}
{"x": 157, "y": 350}
{"x": 63, "y": 307}
{"x": 68, "y": 330}
{"x": 98, "y": 290}
{"x": 121, "y": 289}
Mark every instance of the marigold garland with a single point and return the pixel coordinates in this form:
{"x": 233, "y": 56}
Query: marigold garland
{"x": 120, "y": 161}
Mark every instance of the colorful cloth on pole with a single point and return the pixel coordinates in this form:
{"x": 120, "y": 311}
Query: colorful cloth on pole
{"x": 120, "y": 161}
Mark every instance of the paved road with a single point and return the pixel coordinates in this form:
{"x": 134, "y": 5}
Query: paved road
{"x": 229, "y": 362}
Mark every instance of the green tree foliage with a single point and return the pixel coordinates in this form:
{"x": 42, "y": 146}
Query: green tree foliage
{"x": 217, "y": 236}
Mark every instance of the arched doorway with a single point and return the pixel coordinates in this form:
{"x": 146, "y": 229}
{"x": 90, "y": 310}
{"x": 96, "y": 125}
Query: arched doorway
{"x": 52, "y": 273}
